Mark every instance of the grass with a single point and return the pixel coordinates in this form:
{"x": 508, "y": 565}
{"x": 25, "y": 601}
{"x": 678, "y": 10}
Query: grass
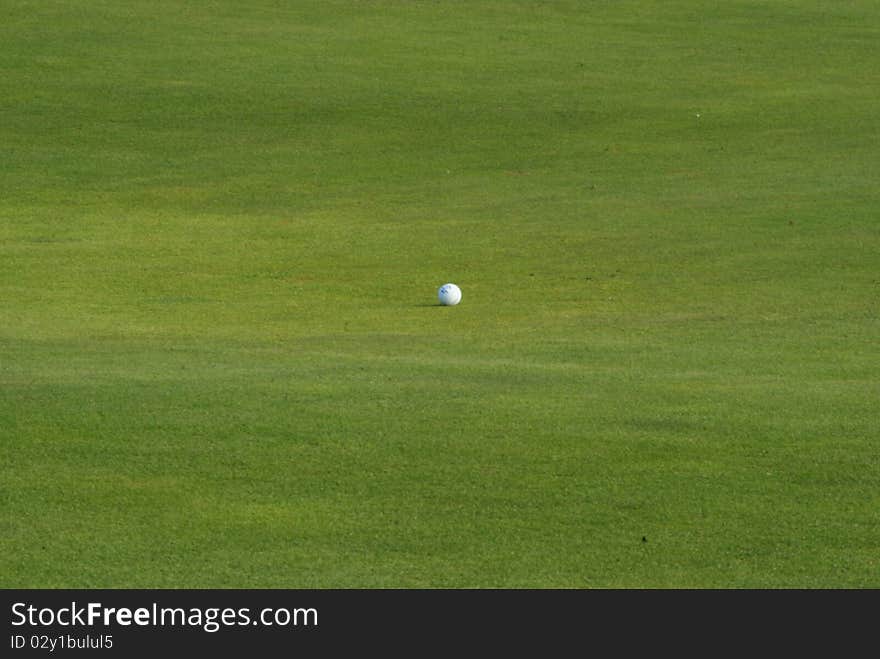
{"x": 223, "y": 226}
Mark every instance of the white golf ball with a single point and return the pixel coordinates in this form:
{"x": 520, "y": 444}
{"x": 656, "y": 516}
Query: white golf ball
{"x": 449, "y": 295}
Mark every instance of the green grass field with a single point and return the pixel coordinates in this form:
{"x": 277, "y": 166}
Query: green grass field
{"x": 222, "y": 229}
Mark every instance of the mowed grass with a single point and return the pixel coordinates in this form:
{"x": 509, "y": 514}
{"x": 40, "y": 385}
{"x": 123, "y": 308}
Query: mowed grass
{"x": 222, "y": 228}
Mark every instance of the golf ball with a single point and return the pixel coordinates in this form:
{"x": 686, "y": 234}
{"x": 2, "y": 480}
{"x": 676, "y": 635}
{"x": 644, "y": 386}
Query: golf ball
{"x": 449, "y": 295}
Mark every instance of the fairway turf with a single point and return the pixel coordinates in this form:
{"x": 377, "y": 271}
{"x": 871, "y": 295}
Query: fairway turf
{"x": 223, "y": 226}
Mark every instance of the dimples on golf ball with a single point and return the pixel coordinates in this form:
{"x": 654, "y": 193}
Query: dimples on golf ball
{"x": 449, "y": 295}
